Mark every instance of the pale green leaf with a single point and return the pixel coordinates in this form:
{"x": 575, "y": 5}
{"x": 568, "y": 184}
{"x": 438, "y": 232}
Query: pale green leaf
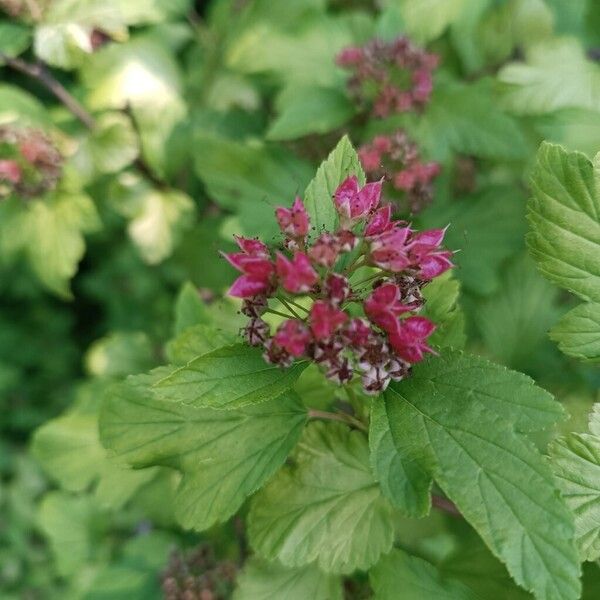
{"x": 229, "y": 377}
{"x": 119, "y": 354}
{"x": 575, "y": 460}
{"x": 189, "y": 309}
{"x": 555, "y": 75}
{"x": 306, "y": 111}
{"x": 326, "y": 508}
{"x": 425, "y": 20}
{"x": 416, "y": 578}
{"x": 269, "y": 581}
{"x": 69, "y": 450}
{"x": 55, "y": 243}
{"x": 18, "y": 105}
{"x": 67, "y": 523}
{"x": 113, "y": 144}
{"x": 456, "y": 418}
{"x": 223, "y": 456}
{"x": 578, "y": 332}
{"x": 318, "y": 197}
{"x": 564, "y": 215}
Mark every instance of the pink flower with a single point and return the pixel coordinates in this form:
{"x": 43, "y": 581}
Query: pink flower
{"x": 370, "y": 158}
{"x": 293, "y": 336}
{"x": 252, "y": 246}
{"x": 384, "y": 306}
{"x": 256, "y": 266}
{"x": 297, "y": 275}
{"x": 354, "y": 203}
{"x": 293, "y": 221}
{"x": 381, "y": 221}
{"x": 349, "y": 56}
{"x": 425, "y": 254}
{"x": 337, "y": 288}
{"x": 10, "y": 171}
{"x": 325, "y": 319}
{"x": 388, "y": 249}
{"x": 409, "y": 341}
{"x": 346, "y": 240}
{"x": 325, "y": 250}
{"x": 357, "y": 332}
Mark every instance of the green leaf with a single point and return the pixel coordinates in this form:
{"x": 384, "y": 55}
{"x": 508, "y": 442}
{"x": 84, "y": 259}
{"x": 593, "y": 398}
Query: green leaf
{"x": 269, "y": 581}
{"x": 310, "y": 110}
{"x": 457, "y": 418}
{"x": 69, "y": 450}
{"x": 465, "y": 118}
{"x": 514, "y": 322}
{"x": 578, "y": 332}
{"x": 575, "y": 460}
{"x": 426, "y": 20}
{"x": 223, "y": 456}
{"x": 326, "y": 508}
{"x": 487, "y": 228}
{"x": 229, "y": 377}
{"x": 318, "y": 197}
{"x": 67, "y": 522}
{"x": 555, "y": 75}
{"x": 196, "y": 341}
{"x": 564, "y": 216}
{"x": 189, "y": 309}
{"x": 54, "y": 241}
{"x": 251, "y": 179}
{"x": 119, "y": 354}
{"x": 441, "y": 306}
{"x": 418, "y": 580}
{"x": 14, "y": 39}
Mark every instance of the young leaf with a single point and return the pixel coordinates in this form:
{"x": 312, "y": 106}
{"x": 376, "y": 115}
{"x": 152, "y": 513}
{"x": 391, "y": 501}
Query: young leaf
{"x": 223, "y": 455}
{"x": 229, "y": 377}
{"x": 564, "y": 214}
{"x": 576, "y": 465}
{"x": 198, "y": 340}
{"x": 417, "y": 579}
{"x": 318, "y": 197}
{"x": 269, "y": 581}
{"x": 578, "y": 332}
{"x": 425, "y": 20}
{"x": 326, "y": 508}
{"x": 189, "y": 309}
{"x": 456, "y": 419}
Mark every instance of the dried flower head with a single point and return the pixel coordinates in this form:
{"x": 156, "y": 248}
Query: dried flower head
{"x": 396, "y": 159}
{"x": 30, "y": 164}
{"x": 389, "y": 77}
{"x": 371, "y": 265}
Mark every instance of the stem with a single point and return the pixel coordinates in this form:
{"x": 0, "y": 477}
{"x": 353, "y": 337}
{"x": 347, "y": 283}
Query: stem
{"x": 298, "y": 305}
{"x": 313, "y": 413}
{"x": 370, "y": 278}
{"x": 445, "y": 505}
{"x": 284, "y": 302}
{"x": 276, "y": 312}
{"x": 40, "y": 73}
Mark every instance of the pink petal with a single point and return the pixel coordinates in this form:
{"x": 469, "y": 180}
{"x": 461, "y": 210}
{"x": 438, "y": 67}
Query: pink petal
{"x": 434, "y": 265}
{"x": 251, "y": 246}
{"x": 246, "y": 286}
{"x": 418, "y": 327}
{"x": 345, "y": 193}
{"x": 380, "y": 221}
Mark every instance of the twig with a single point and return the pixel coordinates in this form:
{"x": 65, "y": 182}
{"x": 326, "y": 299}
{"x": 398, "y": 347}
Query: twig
{"x": 446, "y": 505}
{"x": 313, "y": 413}
{"x": 40, "y": 73}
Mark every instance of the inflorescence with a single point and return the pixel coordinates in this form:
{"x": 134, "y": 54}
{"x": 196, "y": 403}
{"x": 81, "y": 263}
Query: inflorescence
{"x": 352, "y": 294}
{"x": 389, "y": 77}
{"x": 397, "y": 159}
{"x": 30, "y": 163}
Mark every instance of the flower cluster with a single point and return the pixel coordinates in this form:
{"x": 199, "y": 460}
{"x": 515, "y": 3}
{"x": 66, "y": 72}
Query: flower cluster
{"x": 397, "y": 159}
{"x": 351, "y": 294}
{"x": 389, "y": 76}
{"x": 30, "y": 164}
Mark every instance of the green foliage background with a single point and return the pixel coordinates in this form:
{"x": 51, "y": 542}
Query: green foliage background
{"x": 192, "y": 122}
